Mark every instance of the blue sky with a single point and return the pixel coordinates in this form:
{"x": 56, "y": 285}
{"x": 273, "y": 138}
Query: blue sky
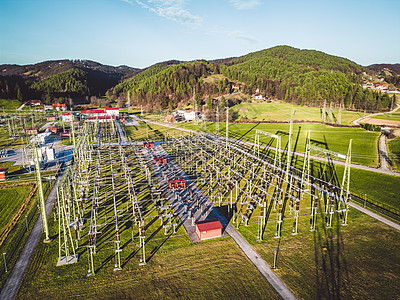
{"x": 140, "y": 33}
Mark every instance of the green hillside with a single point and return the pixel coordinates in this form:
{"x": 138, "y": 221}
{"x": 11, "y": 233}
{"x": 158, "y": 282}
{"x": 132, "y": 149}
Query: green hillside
{"x": 304, "y": 77}
{"x": 73, "y": 80}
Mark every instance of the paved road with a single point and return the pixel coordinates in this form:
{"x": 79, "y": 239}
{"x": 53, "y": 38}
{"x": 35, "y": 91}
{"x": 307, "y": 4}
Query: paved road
{"x": 13, "y": 282}
{"x": 260, "y": 264}
{"x": 383, "y": 153}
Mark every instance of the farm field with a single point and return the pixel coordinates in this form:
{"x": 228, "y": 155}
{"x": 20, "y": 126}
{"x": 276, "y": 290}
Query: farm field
{"x": 10, "y": 200}
{"x": 364, "y": 149}
{"x": 281, "y": 112}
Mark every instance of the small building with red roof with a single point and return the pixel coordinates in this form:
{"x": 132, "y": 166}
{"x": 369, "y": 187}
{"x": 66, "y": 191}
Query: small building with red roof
{"x": 209, "y": 229}
{"x": 112, "y": 112}
{"x": 3, "y": 173}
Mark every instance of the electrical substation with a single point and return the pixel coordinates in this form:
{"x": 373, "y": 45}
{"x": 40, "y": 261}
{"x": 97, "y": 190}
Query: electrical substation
{"x": 114, "y": 191}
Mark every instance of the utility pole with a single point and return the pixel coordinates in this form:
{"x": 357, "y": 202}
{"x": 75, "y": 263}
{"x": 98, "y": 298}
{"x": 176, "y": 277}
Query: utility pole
{"x": 217, "y": 120}
{"x": 196, "y": 120}
{"x": 288, "y": 150}
{"x": 339, "y": 120}
{"x": 73, "y": 129}
{"x": 227, "y": 125}
{"x": 129, "y": 99}
{"x": 324, "y": 112}
{"x": 141, "y": 110}
{"x": 41, "y": 196}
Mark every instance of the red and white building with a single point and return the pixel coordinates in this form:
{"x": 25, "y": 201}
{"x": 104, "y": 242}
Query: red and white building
{"x": 67, "y": 117}
{"x": 209, "y": 229}
{"x": 112, "y": 112}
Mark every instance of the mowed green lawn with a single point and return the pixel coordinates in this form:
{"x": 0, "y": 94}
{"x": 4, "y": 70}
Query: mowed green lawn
{"x": 10, "y": 200}
{"x": 364, "y": 150}
{"x": 283, "y": 111}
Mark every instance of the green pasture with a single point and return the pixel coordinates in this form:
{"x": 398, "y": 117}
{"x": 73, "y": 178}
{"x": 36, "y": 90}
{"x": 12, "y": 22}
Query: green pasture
{"x": 364, "y": 149}
{"x": 283, "y": 111}
{"x": 10, "y": 201}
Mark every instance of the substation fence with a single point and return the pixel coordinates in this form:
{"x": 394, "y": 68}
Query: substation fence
{"x": 232, "y": 174}
{"x": 108, "y": 189}
{"x": 376, "y": 208}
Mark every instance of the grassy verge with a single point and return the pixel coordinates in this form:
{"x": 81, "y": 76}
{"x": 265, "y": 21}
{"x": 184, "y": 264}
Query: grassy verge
{"x": 394, "y": 152}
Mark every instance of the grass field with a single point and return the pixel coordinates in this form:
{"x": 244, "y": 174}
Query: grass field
{"x": 283, "y": 111}
{"x": 10, "y": 200}
{"x": 180, "y": 269}
{"x": 394, "y": 152}
{"x": 388, "y": 116}
{"x": 146, "y": 131}
{"x": 364, "y": 149}
{"x": 9, "y": 104}
{"x": 358, "y": 261}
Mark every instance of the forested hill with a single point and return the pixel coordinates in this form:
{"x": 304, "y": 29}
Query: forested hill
{"x": 300, "y": 76}
{"x": 60, "y": 78}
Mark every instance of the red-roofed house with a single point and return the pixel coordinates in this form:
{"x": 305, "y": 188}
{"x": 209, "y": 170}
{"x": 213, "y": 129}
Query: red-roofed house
{"x": 208, "y": 229}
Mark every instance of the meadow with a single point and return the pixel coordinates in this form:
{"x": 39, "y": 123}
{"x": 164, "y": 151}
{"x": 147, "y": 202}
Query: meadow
{"x": 282, "y": 111}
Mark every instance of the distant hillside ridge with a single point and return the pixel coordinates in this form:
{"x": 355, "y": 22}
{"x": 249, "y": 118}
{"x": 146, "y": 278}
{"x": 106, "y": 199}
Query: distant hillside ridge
{"x": 60, "y": 78}
{"x": 306, "y": 77}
